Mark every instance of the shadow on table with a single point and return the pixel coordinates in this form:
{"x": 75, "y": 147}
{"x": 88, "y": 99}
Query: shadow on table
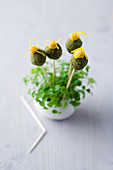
{"x": 82, "y": 117}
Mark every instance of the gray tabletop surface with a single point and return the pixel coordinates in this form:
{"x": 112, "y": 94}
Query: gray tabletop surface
{"x": 85, "y": 140}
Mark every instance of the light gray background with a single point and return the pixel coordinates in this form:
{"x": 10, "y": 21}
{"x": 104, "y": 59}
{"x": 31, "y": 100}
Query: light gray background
{"x": 85, "y": 140}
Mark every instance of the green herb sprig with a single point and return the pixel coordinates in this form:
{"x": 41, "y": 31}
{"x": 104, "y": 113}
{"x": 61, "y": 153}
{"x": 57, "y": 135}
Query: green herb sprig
{"x": 80, "y": 85}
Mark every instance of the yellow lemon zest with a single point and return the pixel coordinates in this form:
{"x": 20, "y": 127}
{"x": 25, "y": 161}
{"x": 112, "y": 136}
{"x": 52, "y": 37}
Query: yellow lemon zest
{"x": 79, "y": 53}
{"x": 53, "y": 44}
{"x": 33, "y": 49}
{"x": 76, "y": 35}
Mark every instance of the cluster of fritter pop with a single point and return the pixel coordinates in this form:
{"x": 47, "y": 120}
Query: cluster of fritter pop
{"x": 53, "y": 50}
{"x": 38, "y": 56}
{"x": 78, "y": 59}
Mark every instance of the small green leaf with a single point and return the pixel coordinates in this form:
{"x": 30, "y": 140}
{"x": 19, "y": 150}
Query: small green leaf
{"x": 83, "y": 93}
{"x": 78, "y": 83}
{"x": 63, "y": 90}
{"x": 45, "y": 108}
{"x": 46, "y": 62}
{"x": 58, "y": 60}
{"x": 51, "y": 90}
{"x": 83, "y": 87}
{"x": 35, "y": 81}
{"x": 57, "y": 87}
{"x": 46, "y": 68}
{"x": 50, "y": 104}
{"x": 26, "y": 80}
{"x": 55, "y": 112}
{"x": 65, "y": 104}
{"x": 50, "y": 93}
{"x": 59, "y": 104}
{"x": 29, "y": 91}
{"x": 91, "y": 81}
{"x": 87, "y": 68}
{"x": 40, "y": 94}
{"x": 88, "y": 90}
{"x": 77, "y": 104}
{"x": 41, "y": 103}
{"x": 63, "y": 74}
{"x": 76, "y": 95}
{"x": 34, "y": 70}
{"x": 42, "y": 87}
{"x": 33, "y": 94}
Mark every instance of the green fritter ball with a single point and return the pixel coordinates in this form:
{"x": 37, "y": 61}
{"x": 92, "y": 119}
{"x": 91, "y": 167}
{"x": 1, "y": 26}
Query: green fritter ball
{"x": 78, "y": 63}
{"x": 72, "y": 45}
{"x": 53, "y": 53}
{"x": 37, "y": 58}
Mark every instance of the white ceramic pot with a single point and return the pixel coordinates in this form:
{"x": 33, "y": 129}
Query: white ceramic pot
{"x": 68, "y": 111}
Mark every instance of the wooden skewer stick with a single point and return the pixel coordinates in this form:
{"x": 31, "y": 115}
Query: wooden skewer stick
{"x": 54, "y": 68}
{"x": 46, "y": 76}
{"x": 68, "y": 84}
{"x": 69, "y": 73}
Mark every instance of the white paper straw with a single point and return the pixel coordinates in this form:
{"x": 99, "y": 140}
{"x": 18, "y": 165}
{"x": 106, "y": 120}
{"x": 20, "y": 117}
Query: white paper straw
{"x": 37, "y": 141}
{"x": 38, "y": 122}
